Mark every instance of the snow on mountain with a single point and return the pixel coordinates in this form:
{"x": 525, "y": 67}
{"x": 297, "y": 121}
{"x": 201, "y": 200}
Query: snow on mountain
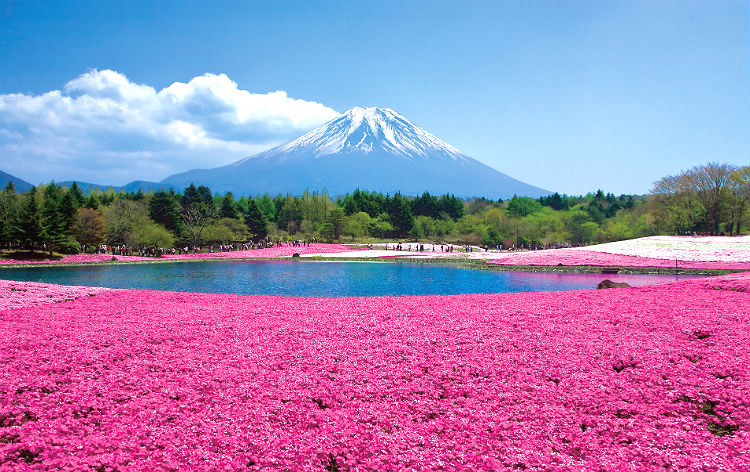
{"x": 366, "y": 148}
{"x": 367, "y": 129}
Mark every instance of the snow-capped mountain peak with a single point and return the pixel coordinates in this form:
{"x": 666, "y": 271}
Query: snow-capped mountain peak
{"x": 367, "y": 148}
{"x": 363, "y": 130}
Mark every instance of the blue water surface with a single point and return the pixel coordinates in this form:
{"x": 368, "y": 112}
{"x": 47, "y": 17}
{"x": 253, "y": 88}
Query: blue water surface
{"x": 319, "y": 279}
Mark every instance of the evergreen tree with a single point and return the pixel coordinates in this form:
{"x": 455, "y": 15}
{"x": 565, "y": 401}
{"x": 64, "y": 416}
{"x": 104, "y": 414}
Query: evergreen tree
{"x": 163, "y": 209}
{"x": 68, "y": 208}
{"x": 206, "y": 197}
{"x": 92, "y": 202}
{"x": 267, "y": 207}
{"x": 228, "y": 207}
{"x": 190, "y": 196}
{"x": 402, "y": 218}
{"x": 242, "y": 205}
{"x": 28, "y": 230}
{"x": 53, "y": 225}
{"x": 255, "y": 221}
{"x": 452, "y": 206}
{"x": 8, "y": 214}
{"x": 197, "y": 211}
{"x": 77, "y": 194}
{"x": 426, "y": 205}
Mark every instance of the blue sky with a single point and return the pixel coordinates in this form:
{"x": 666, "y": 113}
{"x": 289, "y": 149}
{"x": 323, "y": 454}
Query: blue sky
{"x": 566, "y": 95}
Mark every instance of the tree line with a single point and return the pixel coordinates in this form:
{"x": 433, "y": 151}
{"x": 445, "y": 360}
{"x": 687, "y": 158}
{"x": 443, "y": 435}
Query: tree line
{"x": 709, "y": 199}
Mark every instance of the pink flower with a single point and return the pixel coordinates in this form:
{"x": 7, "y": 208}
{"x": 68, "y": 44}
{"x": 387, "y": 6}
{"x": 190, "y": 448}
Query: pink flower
{"x": 644, "y": 378}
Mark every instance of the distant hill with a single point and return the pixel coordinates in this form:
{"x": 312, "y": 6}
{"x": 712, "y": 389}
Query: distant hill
{"x": 20, "y": 184}
{"x": 132, "y": 187}
{"x": 365, "y": 148}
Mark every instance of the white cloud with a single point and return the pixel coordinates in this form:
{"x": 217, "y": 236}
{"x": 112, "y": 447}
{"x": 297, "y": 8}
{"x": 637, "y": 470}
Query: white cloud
{"x": 103, "y": 128}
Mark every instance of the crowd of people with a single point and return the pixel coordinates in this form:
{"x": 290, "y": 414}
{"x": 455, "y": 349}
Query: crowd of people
{"x": 438, "y": 247}
{"x": 124, "y": 250}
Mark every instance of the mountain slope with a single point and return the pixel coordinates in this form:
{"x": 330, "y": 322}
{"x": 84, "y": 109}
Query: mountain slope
{"x": 366, "y": 148}
{"x": 131, "y": 187}
{"x": 20, "y": 184}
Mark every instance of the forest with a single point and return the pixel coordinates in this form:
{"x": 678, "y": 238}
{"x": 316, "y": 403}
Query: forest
{"x": 709, "y": 199}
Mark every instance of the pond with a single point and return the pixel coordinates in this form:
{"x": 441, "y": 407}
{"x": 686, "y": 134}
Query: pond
{"x": 319, "y": 279}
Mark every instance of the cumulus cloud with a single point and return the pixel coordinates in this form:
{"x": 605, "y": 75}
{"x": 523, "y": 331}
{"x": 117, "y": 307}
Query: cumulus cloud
{"x": 103, "y": 128}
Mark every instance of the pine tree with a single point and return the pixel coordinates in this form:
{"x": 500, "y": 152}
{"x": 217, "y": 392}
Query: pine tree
{"x": 92, "y": 202}
{"x": 68, "y": 208}
{"x": 197, "y": 211}
{"x": 28, "y": 230}
{"x": 163, "y": 209}
{"x": 77, "y": 194}
{"x": 401, "y": 215}
{"x": 8, "y": 213}
{"x": 228, "y": 207}
{"x": 255, "y": 221}
{"x": 52, "y": 224}
{"x": 191, "y": 196}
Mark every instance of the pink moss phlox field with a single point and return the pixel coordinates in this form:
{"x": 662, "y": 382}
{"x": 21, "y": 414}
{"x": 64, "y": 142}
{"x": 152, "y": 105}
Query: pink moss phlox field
{"x": 578, "y": 257}
{"x": 79, "y": 259}
{"x": 284, "y": 251}
{"x": 27, "y": 294}
{"x": 648, "y": 378}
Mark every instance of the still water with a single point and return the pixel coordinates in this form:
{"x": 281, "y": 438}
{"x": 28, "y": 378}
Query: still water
{"x": 319, "y": 279}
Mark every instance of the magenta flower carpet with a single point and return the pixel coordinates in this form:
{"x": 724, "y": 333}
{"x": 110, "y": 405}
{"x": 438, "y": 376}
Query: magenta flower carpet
{"x": 649, "y": 378}
{"x": 78, "y": 259}
{"x": 284, "y": 251}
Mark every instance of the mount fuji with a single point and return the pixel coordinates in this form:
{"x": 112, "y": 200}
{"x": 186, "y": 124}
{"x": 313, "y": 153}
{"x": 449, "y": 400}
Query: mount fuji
{"x": 365, "y": 148}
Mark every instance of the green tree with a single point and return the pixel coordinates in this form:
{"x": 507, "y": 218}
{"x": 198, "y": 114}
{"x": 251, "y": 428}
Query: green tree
{"x": 423, "y": 227}
{"x": 29, "y": 227}
{"x": 267, "y": 206}
{"x": 452, "y": 206}
{"x": 426, "y": 205}
{"x": 156, "y": 236}
{"x": 88, "y": 227}
{"x": 710, "y": 182}
{"x": 357, "y": 225}
{"x": 336, "y": 218}
{"x": 255, "y": 221}
{"x": 125, "y": 218}
{"x": 519, "y": 207}
{"x": 10, "y": 207}
{"x": 493, "y": 237}
{"x": 740, "y": 184}
{"x": 92, "y": 202}
{"x": 226, "y": 230}
{"x": 77, "y": 194}
{"x": 68, "y": 208}
{"x": 522, "y": 206}
{"x": 55, "y": 232}
{"x": 401, "y": 216}
{"x": 197, "y": 211}
{"x": 381, "y": 227}
{"x": 164, "y": 209}
{"x": 581, "y": 229}
{"x": 228, "y": 207}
